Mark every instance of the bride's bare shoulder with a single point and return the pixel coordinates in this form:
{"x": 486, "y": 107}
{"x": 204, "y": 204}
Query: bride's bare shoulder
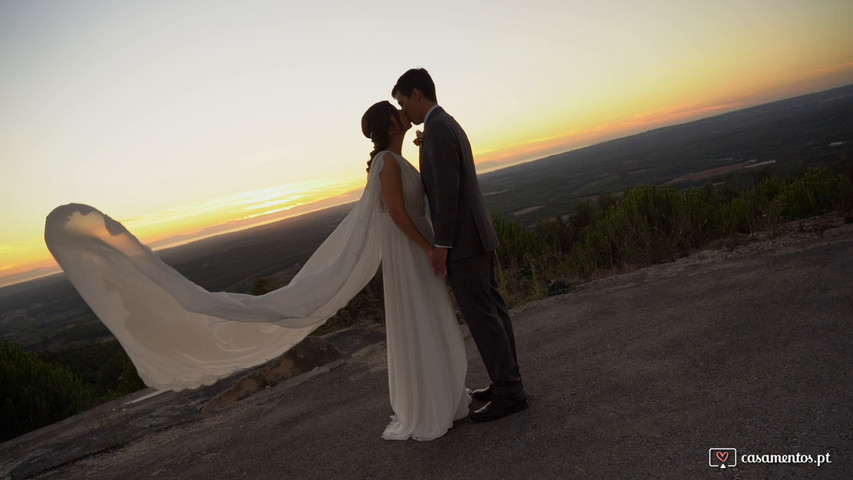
{"x": 392, "y": 160}
{"x": 391, "y": 157}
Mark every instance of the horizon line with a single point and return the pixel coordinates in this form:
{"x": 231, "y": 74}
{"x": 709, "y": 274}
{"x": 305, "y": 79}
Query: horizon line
{"x": 495, "y": 160}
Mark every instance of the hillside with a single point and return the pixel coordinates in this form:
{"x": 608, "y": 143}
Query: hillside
{"x": 806, "y": 131}
{"x": 811, "y": 130}
{"x": 630, "y": 376}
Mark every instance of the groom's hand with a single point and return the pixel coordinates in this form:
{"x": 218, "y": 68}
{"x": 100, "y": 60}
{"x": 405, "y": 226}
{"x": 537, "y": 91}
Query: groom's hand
{"x": 438, "y": 258}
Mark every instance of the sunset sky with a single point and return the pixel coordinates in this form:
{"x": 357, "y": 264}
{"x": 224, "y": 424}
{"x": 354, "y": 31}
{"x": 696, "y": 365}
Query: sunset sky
{"x": 184, "y": 118}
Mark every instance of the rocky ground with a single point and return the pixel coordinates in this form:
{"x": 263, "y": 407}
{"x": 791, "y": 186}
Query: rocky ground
{"x": 635, "y": 375}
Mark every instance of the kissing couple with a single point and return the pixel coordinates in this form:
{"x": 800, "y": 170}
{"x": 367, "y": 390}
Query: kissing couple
{"x": 427, "y": 230}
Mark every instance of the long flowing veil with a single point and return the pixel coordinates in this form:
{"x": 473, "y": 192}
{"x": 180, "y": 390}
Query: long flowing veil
{"x": 178, "y": 334}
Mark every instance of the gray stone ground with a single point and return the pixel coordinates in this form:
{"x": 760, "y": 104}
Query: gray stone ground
{"x": 633, "y": 376}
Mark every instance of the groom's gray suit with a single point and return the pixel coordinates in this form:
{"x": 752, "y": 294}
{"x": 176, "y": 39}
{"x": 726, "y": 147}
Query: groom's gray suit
{"x": 462, "y": 222}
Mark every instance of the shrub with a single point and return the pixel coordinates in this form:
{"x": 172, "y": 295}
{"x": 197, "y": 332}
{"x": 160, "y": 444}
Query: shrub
{"x": 652, "y": 225}
{"x": 103, "y": 367}
{"x": 35, "y": 393}
{"x": 815, "y": 193}
{"x": 649, "y": 225}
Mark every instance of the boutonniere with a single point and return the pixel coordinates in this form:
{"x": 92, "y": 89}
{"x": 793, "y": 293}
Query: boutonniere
{"x": 419, "y": 139}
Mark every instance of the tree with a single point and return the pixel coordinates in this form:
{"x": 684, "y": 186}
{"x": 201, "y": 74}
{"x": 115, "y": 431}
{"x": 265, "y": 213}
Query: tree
{"x": 35, "y": 393}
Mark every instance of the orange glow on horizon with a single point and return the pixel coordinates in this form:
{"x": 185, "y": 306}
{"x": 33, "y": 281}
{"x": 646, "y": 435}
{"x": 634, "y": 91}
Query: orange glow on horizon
{"x": 251, "y": 208}
{"x": 182, "y": 225}
{"x": 185, "y": 224}
{"x": 574, "y": 139}
{"x": 597, "y": 130}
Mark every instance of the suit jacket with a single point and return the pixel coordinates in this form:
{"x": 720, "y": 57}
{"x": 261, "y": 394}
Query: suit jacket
{"x": 459, "y": 215}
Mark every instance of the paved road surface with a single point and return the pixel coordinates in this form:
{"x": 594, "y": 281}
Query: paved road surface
{"x": 632, "y": 376}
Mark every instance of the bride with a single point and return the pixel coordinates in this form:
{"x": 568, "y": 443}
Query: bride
{"x": 180, "y": 336}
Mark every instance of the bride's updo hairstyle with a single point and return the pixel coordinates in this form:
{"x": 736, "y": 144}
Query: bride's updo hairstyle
{"x": 375, "y": 124}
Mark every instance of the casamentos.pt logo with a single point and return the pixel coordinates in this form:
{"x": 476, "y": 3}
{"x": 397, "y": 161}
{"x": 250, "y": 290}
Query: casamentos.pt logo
{"x": 728, "y": 457}
{"x": 722, "y": 457}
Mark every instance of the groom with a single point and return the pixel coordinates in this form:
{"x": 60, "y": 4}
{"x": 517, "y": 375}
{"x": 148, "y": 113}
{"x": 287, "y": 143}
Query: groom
{"x": 465, "y": 242}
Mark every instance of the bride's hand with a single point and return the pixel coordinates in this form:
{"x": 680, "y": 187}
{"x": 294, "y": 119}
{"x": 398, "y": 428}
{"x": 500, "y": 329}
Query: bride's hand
{"x": 438, "y": 259}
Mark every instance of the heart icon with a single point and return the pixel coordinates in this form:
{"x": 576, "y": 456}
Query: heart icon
{"x": 723, "y": 456}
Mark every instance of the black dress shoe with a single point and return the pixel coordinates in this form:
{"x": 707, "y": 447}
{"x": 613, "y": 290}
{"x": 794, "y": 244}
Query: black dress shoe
{"x": 483, "y": 394}
{"x": 495, "y": 410}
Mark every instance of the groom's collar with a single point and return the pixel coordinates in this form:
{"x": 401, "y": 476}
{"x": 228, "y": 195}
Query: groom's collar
{"x": 426, "y": 117}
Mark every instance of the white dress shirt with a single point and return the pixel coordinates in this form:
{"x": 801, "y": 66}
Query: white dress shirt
{"x": 428, "y": 112}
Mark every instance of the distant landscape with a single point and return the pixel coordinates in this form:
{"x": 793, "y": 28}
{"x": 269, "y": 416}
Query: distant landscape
{"x": 807, "y": 131}
{"x": 784, "y": 137}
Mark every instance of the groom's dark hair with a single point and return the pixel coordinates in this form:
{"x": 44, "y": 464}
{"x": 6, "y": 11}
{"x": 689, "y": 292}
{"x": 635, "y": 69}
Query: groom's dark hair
{"x": 415, "y": 78}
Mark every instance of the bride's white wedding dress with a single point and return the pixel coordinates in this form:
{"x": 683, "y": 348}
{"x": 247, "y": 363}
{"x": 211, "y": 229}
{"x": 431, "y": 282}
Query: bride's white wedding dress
{"x": 181, "y": 336}
{"x": 426, "y": 354}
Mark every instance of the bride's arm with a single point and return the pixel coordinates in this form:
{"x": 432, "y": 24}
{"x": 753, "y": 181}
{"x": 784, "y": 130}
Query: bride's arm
{"x": 392, "y": 194}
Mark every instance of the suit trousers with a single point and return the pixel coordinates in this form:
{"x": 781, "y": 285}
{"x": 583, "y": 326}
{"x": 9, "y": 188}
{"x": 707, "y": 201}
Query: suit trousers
{"x": 476, "y": 290}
